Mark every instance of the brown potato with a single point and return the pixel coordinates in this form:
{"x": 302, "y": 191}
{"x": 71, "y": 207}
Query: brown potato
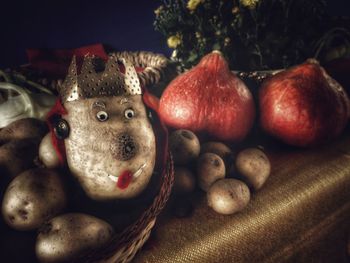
{"x": 184, "y": 181}
{"x": 228, "y": 196}
{"x": 184, "y": 145}
{"x": 253, "y": 166}
{"x": 33, "y": 197}
{"x": 218, "y": 148}
{"x": 17, "y": 156}
{"x": 23, "y": 129}
{"x": 210, "y": 168}
{"x": 223, "y": 151}
{"x": 47, "y": 153}
{"x": 66, "y": 237}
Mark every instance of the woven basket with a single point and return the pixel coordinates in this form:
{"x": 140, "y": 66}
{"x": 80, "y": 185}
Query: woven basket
{"x": 157, "y": 72}
{"x": 123, "y": 246}
{"x": 156, "y": 66}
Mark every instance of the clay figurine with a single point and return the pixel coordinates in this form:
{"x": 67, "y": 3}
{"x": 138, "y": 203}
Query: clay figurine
{"x": 109, "y": 142}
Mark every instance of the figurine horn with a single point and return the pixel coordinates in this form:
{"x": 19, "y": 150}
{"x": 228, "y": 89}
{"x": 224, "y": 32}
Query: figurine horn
{"x": 132, "y": 82}
{"x": 112, "y": 69}
{"x": 112, "y": 64}
{"x": 70, "y": 85}
{"x": 88, "y": 66}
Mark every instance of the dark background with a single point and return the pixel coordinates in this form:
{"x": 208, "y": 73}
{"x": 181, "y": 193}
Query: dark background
{"x": 124, "y": 25}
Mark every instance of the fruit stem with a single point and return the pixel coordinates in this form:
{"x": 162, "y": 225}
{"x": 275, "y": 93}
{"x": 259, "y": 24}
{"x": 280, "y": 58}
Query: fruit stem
{"x": 217, "y": 52}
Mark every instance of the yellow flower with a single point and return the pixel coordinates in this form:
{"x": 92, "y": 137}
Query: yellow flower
{"x": 158, "y": 10}
{"x": 174, "y": 41}
{"x": 249, "y": 3}
{"x": 235, "y": 10}
{"x": 192, "y": 4}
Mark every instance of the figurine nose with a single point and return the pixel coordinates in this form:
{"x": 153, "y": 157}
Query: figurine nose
{"x": 124, "y": 147}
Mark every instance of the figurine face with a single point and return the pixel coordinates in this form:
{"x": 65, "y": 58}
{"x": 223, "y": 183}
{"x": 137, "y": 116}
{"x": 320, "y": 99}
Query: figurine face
{"x": 111, "y": 146}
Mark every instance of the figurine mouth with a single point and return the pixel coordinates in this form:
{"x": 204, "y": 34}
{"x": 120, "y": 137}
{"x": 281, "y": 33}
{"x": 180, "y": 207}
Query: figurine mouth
{"x": 135, "y": 175}
{"x": 113, "y": 178}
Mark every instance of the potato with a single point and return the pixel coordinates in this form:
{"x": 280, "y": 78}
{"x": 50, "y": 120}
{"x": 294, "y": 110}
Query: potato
{"x": 218, "y": 148}
{"x": 184, "y": 145}
{"x": 184, "y": 181}
{"x": 210, "y": 168}
{"x": 223, "y": 151}
{"x": 228, "y": 196}
{"x": 23, "y": 129}
{"x": 17, "y": 156}
{"x": 47, "y": 153}
{"x": 66, "y": 237}
{"x": 253, "y": 166}
{"x": 33, "y": 197}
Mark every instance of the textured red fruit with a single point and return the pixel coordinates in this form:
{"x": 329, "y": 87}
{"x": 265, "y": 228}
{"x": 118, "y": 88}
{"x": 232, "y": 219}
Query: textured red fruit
{"x": 303, "y": 106}
{"x": 210, "y": 99}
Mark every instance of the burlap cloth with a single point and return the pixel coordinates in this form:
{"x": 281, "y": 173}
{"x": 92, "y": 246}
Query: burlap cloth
{"x": 302, "y": 214}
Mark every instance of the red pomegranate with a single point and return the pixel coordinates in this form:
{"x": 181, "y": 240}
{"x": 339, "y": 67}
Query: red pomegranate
{"x": 209, "y": 99}
{"x": 303, "y": 105}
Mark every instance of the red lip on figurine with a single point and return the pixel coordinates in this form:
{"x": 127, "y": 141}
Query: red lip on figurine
{"x": 124, "y": 179}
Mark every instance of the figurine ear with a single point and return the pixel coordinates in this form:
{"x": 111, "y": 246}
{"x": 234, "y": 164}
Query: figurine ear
{"x": 61, "y": 129}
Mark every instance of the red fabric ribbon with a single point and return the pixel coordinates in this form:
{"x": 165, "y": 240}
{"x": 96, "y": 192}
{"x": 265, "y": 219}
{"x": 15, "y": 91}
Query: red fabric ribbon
{"x": 55, "y": 62}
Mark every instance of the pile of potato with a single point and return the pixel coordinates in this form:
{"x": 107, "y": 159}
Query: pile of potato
{"x": 38, "y": 198}
{"x": 35, "y": 198}
{"x": 227, "y": 178}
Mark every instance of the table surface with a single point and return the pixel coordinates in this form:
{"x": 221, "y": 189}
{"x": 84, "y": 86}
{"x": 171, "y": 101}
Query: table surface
{"x": 300, "y": 215}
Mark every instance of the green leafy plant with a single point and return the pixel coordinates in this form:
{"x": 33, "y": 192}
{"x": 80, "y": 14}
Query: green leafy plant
{"x": 252, "y": 34}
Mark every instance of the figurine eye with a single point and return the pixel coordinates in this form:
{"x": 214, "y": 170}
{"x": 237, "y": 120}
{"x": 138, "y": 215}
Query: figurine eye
{"x": 102, "y": 116}
{"x": 61, "y": 129}
{"x": 129, "y": 113}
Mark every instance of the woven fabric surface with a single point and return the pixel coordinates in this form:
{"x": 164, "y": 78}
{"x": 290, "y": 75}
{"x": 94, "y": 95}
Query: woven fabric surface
{"x": 302, "y": 214}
